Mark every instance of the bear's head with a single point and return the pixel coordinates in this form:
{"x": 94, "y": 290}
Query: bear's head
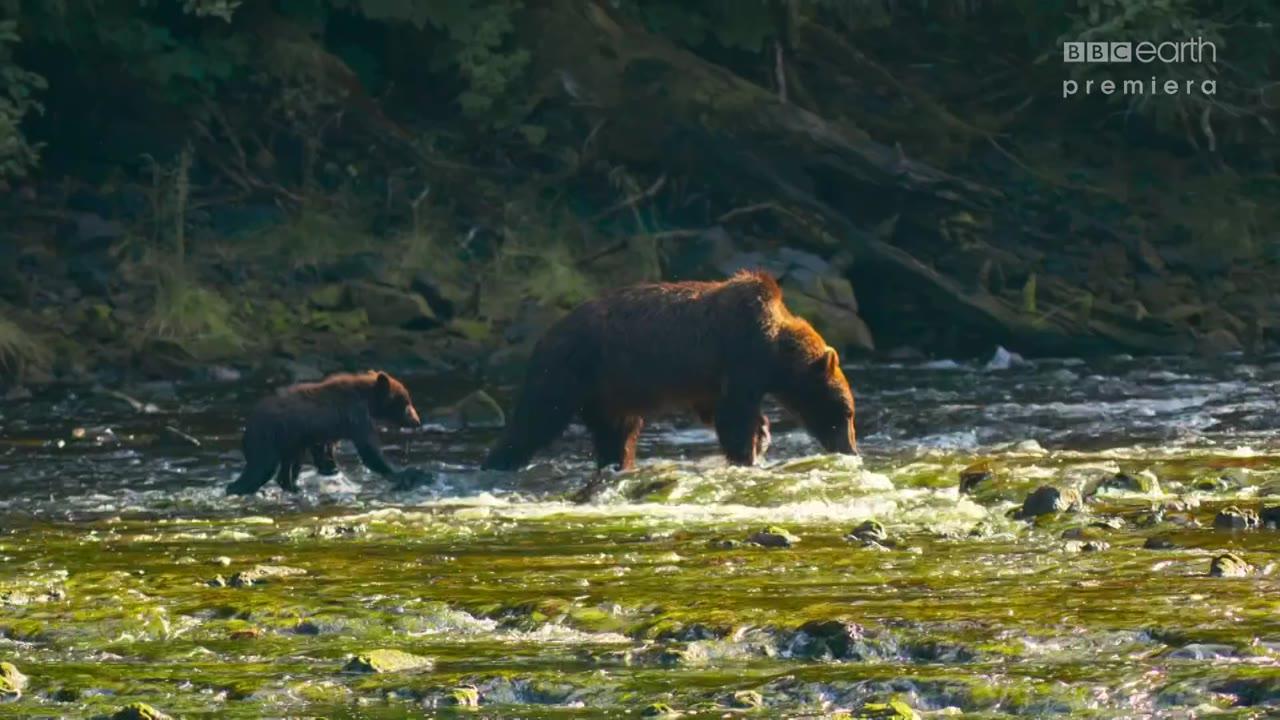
{"x": 391, "y": 402}
{"x": 813, "y": 387}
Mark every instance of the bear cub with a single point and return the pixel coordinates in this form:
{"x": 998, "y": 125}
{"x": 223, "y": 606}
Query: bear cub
{"x": 312, "y": 418}
{"x": 716, "y": 348}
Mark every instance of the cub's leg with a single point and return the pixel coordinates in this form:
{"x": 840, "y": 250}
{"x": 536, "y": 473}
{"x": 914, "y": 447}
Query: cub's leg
{"x": 322, "y": 456}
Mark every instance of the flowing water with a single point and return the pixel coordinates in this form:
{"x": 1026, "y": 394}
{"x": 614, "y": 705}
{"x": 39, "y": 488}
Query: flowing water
{"x": 119, "y": 556}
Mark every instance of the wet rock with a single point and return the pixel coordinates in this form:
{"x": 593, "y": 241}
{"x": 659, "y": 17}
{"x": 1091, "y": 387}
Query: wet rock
{"x": 1230, "y": 565}
{"x": 724, "y": 544}
{"x": 1218, "y": 342}
{"x": 1269, "y": 517}
{"x": 306, "y": 627}
{"x": 893, "y": 710}
{"x": 261, "y": 573}
{"x": 1223, "y": 482}
{"x": 139, "y": 711}
{"x": 837, "y": 638}
{"x": 773, "y": 537}
{"x": 387, "y": 661}
{"x": 1047, "y": 499}
{"x": 477, "y": 410}
{"x": 1159, "y": 542}
{"x": 217, "y": 581}
{"x": 330, "y": 532}
{"x": 1084, "y": 534}
{"x": 746, "y": 700}
{"x": 467, "y": 696}
{"x": 221, "y": 561}
{"x": 871, "y": 534}
{"x": 393, "y": 307}
{"x": 1003, "y": 359}
{"x": 1144, "y": 482}
{"x": 1235, "y": 518}
{"x": 12, "y": 681}
{"x": 972, "y": 476}
{"x": 1084, "y": 546}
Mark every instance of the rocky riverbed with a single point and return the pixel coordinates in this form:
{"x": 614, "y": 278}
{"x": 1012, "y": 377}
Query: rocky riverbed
{"x": 1021, "y": 540}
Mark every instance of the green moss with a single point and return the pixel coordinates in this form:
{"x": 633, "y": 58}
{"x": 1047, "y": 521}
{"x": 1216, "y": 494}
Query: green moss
{"x": 387, "y": 661}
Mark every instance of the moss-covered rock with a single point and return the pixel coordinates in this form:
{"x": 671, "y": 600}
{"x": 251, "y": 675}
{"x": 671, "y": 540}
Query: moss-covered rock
{"x": 12, "y": 681}
{"x": 1230, "y": 565}
{"x": 387, "y": 661}
{"x": 773, "y": 537}
{"x": 1047, "y": 500}
{"x": 139, "y": 711}
{"x": 893, "y": 710}
{"x": 1236, "y": 518}
{"x": 262, "y": 573}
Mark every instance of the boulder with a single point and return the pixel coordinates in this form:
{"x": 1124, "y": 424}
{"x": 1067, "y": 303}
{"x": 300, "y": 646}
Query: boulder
{"x": 387, "y": 661}
{"x": 1230, "y": 565}
{"x": 477, "y": 409}
{"x": 814, "y": 289}
{"x": 1046, "y": 499}
{"x": 773, "y": 537}
{"x": 390, "y": 306}
{"x": 1235, "y": 518}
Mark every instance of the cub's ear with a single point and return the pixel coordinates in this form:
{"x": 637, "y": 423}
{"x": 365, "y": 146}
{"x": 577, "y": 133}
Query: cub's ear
{"x": 382, "y": 385}
{"x": 828, "y": 362}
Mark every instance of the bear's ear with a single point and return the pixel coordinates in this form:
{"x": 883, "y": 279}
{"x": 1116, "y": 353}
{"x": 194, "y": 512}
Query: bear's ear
{"x": 382, "y": 385}
{"x": 828, "y": 363}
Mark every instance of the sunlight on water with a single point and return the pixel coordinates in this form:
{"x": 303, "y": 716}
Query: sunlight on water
{"x": 810, "y": 584}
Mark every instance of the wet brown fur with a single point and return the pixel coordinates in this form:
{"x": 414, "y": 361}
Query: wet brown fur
{"x": 313, "y": 417}
{"x": 714, "y": 347}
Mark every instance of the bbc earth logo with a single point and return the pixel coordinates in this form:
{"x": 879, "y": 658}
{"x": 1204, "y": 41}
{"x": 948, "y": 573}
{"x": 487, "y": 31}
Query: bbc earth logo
{"x": 1197, "y": 50}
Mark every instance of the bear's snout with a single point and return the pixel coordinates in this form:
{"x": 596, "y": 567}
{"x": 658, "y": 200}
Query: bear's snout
{"x": 411, "y": 418}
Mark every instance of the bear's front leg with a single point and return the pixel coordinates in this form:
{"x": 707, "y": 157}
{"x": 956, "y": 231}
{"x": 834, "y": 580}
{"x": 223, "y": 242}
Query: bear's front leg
{"x": 738, "y": 424}
{"x": 290, "y": 468}
{"x": 369, "y": 448}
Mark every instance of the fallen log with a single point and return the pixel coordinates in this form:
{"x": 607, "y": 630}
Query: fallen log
{"x": 667, "y": 108}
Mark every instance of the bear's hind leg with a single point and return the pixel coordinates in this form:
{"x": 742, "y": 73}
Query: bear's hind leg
{"x": 256, "y": 474}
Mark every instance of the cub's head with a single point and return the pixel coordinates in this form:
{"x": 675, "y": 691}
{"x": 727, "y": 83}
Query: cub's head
{"x": 391, "y": 402}
{"x": 813, "y": 387}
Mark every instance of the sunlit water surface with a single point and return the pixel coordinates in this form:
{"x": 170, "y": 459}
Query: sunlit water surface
{"x": 115, "y": 534}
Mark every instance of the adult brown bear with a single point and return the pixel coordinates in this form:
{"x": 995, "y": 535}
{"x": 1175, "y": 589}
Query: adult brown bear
{"x": 714, "y": 347}
{"x": 311, "y": 418}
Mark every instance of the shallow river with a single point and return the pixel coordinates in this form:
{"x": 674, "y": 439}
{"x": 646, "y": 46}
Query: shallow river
{"x": 121, "y": 563}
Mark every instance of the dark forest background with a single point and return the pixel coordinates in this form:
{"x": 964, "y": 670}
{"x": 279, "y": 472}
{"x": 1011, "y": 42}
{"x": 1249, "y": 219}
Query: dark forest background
{"x": 195, "y": 182}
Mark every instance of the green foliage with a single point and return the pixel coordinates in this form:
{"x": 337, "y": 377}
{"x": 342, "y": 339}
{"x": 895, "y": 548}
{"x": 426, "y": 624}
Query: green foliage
{"x": 17, "y": 89}
{"x": 193, "y": 316}
{"x": 20, "y": 350}
{"x": 478, "y": 45}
